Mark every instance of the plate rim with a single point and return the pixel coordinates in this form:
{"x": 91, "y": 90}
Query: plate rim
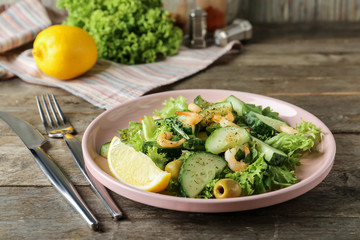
{"x": 133, "y": 193}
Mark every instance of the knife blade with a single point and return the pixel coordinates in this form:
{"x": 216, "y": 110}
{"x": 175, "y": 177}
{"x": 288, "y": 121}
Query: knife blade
{"x": 33, "y": 140}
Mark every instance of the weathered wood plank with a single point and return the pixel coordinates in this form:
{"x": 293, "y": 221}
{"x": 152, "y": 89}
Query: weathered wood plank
{"x": 292, "y": 11}
{"x": 49, "y": 216}
{"x": 300, "y": 11}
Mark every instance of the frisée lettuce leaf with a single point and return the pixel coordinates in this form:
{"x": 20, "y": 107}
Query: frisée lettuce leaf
{"x": 132, "y": 135}
{"x": 159, "y": 159}
{"x": 172, "y": 106}
{"x": 126, "y": 31}
{"x": 304, "y": 140}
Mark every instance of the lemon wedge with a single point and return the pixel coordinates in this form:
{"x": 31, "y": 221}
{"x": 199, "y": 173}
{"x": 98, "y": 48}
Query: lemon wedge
{"x": 135, "y": 168}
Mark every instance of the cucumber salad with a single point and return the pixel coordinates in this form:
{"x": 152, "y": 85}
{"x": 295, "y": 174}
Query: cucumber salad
{"x": 221, "y": 150}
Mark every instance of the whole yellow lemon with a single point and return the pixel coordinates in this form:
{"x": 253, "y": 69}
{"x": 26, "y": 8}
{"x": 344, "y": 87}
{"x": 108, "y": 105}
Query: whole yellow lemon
{"x": 64, "y": 52}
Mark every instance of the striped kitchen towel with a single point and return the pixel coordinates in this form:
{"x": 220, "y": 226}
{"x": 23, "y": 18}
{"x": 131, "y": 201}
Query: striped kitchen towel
{"x": 21, "y": 22}
{"x": 108, "y": 83}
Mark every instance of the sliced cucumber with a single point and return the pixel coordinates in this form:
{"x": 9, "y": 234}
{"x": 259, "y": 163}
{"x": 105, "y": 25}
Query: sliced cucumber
{"x": 263, "y": 125}
{"x": 239, "y": 106}
{"x": 104, "y": 149}
{"x": 272, "y": 155}
{"x": 201, "y": 102}
{"x": 227, "y": 137}
{"x": 220, "y": 108}
{"x": 198, "y": 169}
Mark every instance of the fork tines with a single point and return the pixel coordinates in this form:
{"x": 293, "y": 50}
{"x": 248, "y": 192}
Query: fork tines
{"x": 55, "y": 111}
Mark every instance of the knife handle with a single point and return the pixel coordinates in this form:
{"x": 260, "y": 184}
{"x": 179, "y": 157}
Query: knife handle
{"x": 64, "y": 186}
{"x": 75, "y": 148}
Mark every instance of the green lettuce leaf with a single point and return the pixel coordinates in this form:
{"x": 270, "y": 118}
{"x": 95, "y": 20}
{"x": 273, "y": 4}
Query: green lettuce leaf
{"x": 208, "y": 191}
{"x": 132, "y": 135}
{"x": 173, "y": 188}
{"x": 126, "y": 31}
{"x": 309, "y": 129}
{"x": 159, "y": 159}
{"x": 261, "y": 177}
{"x": 289, "y": 143}
{"x": 279, "y": 177}
{"x": 172, "y": 106}
{"x": 295, "y": 145}
{"x": 149, "y": 128}
{"x": 266, "y": 111}
{"x": 171, "y": 124}
{"x": 304, "y": 140}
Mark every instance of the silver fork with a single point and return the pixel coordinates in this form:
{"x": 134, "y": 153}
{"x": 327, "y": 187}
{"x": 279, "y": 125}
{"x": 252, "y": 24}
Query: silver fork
{"x": 61, "y": 128}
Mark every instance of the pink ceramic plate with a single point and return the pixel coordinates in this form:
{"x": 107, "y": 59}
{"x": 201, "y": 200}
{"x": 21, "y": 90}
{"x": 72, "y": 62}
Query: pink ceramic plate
{"x": 313, "y": 170}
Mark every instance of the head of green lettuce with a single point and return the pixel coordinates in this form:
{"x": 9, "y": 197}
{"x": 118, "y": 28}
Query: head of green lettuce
{"x": 126, "y": 31}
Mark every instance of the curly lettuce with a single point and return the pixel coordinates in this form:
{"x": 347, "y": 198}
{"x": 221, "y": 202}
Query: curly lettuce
{"x": 171, "y": 106}
{"x": 132, "y": 135}
{"x": 309, "y": 129}
{"x": 126, "y": 31}
{"x": 289, "y": 143}
{"x": 157, "y": 157}
{"x": 295, "y": 145}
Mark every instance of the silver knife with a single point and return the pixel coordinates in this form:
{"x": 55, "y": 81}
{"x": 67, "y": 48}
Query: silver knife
{"x": 33, "y": 140}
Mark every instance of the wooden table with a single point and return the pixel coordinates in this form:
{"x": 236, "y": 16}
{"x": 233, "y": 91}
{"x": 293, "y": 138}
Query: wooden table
{"x": 316, "y": 68}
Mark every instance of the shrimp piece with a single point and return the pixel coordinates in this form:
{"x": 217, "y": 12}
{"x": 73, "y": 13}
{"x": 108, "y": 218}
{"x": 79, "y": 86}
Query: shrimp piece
{"x": 226, "y": 120}
{"x": 246, "y": 150}
{"x": 194, "y": 108}
{"x": 223, "y": 121}
{"x": 229, "y": 116}
{"x": 233, "y": 164}
{"x": 192, "y": 118}
{"x": 164, "y": 140}
{"x": 288, "y": 129}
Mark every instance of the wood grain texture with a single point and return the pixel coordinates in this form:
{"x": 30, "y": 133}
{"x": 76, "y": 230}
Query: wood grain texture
{"x": 315, "y": 68}
{"x": 286, "y": 11}
{"x": 300, "y": 11}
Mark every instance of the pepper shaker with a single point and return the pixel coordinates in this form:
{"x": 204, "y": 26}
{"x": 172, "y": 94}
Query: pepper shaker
{"x": 197, "y": 28}
{"x": 240, "y": 29}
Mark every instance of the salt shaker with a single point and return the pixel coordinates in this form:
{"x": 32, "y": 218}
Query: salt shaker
{"x": 197, "y": 28}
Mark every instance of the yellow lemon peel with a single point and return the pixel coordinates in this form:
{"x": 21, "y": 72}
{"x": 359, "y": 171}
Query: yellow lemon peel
{"x": 64, "y": 52}
{"x": 135, "y": 168}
